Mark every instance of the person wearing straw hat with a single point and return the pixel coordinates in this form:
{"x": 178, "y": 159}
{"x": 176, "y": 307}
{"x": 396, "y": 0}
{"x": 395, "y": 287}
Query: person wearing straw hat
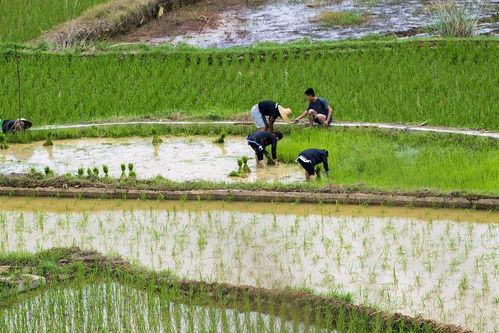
{"x": 269, "y": 109}
{"x": 309, "y": 158}
{"x": 15, "y": 125}
{"x": 259, "y": 140}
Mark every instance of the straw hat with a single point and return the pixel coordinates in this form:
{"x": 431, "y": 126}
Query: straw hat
{"x": 27, "y": 123}
{"x": 285, "y": 113}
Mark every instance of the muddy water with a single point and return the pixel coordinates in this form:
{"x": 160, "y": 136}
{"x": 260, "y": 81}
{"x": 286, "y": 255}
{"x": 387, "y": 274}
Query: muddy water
{"x": 440, "y": 263}
{"x": 178, "y": 159}
{"x": 120, "y": 308}
{"x": 289, "y": 20}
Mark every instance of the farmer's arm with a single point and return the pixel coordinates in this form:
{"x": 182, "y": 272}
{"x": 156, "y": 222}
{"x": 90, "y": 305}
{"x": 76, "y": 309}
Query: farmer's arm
{"x": 274, "y": 148}
{"x": 329, "y": 113}
{"x": 324, "y": 162}
{"x": 270, "y": 125}
{"x": 302, "y": 115}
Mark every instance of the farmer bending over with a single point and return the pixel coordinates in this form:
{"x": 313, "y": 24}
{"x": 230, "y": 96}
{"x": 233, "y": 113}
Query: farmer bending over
{"x": 318, "y": 111}
{"x": 16, "y": 125}
{"x": 309, "y": 158}
{"x": 269, "y": 109}
{"x": 259, "y": 140}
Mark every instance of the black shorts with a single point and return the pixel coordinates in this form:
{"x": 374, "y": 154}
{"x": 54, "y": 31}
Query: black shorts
{"x": 258, "y": 150}
{"x": 316, "y": 120}
{"x": 308, "y": 167}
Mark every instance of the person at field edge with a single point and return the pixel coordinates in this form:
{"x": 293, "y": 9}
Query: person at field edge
{"x": 318, "y": 111}
{"x": 15, "y": 125}
{"x": 259, "y": 140}
{"x": 309, "y": 158}
{"x": 269, "y": 109}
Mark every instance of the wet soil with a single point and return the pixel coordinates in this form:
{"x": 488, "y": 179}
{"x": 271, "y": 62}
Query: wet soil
{"x": 224, "y": 24}
{"x": 177, "y": 159}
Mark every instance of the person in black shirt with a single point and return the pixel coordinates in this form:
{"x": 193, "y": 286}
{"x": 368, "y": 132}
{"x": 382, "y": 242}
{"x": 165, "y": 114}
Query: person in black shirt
{"x": 15, "y": 125}
{"x": 259, "y": 140}
{"x": 269, "y": 109}
{"x": 318, "y": 111}
{"x": 309, "y": 158}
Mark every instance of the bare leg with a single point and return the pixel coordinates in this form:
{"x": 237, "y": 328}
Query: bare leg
{"x": 311, "y": 116}
{"x": 307, "y": 176}
{"x": 322, "y": 119}
{"x": 259, "y": 163}
{"x": 311, "y": 177}
{"x": 261, "y": 129}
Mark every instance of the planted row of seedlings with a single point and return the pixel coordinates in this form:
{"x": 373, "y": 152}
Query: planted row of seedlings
{"x": 436, "y": 84}
{"x": 111, "y": 295}
{"x": 441, "y": 269}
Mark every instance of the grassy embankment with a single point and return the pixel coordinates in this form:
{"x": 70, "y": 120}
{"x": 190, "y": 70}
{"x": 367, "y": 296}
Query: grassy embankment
{"x": 363, "y": 159}
{"x": 442, "y": 83}
{"x": 23, "y": 20}
{"x": 129, "y": 298}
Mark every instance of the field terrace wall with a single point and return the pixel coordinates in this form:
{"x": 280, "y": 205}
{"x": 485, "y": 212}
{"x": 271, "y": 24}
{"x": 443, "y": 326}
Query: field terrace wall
{"x": 308, "y": 307}
{"x": 107, "y": 20}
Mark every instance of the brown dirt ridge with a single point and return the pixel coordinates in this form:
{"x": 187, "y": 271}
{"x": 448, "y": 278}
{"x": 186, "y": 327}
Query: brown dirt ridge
{"x": 61, "y": 187}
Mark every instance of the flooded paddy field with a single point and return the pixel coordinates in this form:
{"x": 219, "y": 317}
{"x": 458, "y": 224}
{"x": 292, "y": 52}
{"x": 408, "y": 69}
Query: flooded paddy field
{"x": 438, "y": 263}
{"x": 179, "y": 159}
{"x": 290, "y": 20}
{"x": 114, "y": 307}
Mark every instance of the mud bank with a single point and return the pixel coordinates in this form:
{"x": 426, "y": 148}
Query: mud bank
{"x": 353, "y": 198}
{"x": 310, "y": 307}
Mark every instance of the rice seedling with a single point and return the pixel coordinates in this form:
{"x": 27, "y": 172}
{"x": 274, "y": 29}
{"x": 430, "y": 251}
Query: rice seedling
{"x": 399, "y": 82}
{"x": 221, "y": 138}
{"x": 156, "y": 140}
{"x": 123, "y": 170}
{"x": 25, "y": 20}
{"x": 105, "y": 169}
{"x": 81, "y": 172}
{"x": 48, "y": 140}
{"x": 3, "y": 144}
{"x": 48, "y": 171}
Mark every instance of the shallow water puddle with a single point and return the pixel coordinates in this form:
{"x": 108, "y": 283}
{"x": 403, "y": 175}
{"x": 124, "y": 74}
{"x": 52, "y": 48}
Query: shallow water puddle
{"x": 440, "y": 263}
{"x": 115, "y": 307}
{"x": 178, "y": 159}
{"x": 289, "y": 20}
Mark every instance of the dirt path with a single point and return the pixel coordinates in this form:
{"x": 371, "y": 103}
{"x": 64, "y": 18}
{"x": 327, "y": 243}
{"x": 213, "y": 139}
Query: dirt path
{"x": 340, "y": 124}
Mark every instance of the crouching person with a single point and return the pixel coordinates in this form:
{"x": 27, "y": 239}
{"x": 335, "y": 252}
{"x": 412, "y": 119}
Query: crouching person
{"x": 15, "y": 125}
{"x": 259, "y": 140}
{"x": 309, "y": 158}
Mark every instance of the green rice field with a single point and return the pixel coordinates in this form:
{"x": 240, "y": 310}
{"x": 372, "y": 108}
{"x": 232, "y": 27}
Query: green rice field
{"x": 23, "y": 20}
{"x": 452, "y": 83}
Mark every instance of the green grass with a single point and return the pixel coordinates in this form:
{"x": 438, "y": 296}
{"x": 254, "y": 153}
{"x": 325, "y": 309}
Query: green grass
{"x": 377, "y": 159}
{"x": 348, "y": 18}
{"x": 452, "y": 83}
{"x": 23, "y": 20}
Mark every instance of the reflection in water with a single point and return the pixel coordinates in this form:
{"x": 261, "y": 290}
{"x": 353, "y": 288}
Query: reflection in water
{"x": 425, "y": 262}
{"x": 179, "y": 159}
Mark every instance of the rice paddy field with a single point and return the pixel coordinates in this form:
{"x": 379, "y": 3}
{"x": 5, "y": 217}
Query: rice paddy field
{"x": 451, "y": 83}
{"x": 245, "y": 253}
{"x": 434, "y": 262}
{"x": 23, "y": 20}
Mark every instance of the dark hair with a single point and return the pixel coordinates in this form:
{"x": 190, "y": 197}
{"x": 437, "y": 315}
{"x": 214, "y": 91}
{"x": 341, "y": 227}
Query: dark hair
{"x": 310, "y": 92}
{"x": 278, "y": 135}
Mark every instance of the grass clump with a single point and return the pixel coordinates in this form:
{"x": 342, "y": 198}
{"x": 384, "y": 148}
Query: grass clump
{"x": 345, "y": 18}
{"x": 453, "y": 20}
{"x": 221, "y": 138}
{"x": 3, "y": 143}
{"x": 48, "y": 140}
